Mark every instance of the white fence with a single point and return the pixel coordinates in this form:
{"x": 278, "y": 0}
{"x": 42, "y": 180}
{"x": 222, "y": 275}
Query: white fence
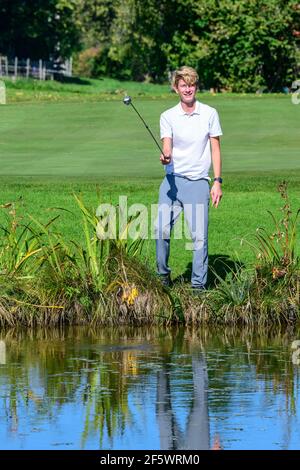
{"x": 42, "y": 70}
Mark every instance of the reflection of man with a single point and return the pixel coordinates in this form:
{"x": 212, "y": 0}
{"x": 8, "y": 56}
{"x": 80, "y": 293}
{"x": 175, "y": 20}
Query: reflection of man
{"x": 196, "y": 434}
{"x": 190, "y": 135}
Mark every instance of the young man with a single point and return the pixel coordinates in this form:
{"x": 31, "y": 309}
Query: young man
{"x": 190, "y": 136}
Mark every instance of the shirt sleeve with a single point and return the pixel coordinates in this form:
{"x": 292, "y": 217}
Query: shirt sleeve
{"x": 214, "y": 125}
{"x": 165, "y": 127}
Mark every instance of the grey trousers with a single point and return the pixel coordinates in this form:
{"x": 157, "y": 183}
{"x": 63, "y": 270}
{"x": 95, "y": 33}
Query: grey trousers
{"x": 192, "y": 196}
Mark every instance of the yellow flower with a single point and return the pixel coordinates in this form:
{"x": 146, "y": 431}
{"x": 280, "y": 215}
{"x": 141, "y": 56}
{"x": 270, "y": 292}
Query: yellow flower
{"x": 130, "y": 293}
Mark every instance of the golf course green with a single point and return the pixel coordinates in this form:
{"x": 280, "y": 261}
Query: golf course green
{"x": 106, "y": 139}
{"x": 51, "y": 149}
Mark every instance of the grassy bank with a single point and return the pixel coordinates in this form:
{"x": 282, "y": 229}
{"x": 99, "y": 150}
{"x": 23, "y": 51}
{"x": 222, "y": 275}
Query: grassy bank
{"x": 78, "y": 89}
{"x": 49, "y": 278}
{"x": 50, "y": 150}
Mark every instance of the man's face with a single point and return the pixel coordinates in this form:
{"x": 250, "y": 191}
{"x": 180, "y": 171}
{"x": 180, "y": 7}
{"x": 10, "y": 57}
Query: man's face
{"x": 186, "y": 92}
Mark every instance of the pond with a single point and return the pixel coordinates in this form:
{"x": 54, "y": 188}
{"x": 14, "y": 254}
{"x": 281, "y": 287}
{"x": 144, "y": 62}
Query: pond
{"x": 148, "y": 388}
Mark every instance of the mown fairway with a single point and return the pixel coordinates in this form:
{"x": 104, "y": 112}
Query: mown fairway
{"x": 106, "y": 139}
{"x": 49, "y": 150}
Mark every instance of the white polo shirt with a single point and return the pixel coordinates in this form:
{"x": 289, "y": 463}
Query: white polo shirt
{"x": 191, "y": 154}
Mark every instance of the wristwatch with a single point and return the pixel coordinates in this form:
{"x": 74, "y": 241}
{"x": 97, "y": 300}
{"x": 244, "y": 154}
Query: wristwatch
{"x": 219, "y": 179}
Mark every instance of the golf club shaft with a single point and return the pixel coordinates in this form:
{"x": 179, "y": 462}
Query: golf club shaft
{"x": 148, "y": 129}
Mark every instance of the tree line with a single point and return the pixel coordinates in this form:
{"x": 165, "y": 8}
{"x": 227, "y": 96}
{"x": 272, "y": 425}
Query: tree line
{"x": 238, "y": 45}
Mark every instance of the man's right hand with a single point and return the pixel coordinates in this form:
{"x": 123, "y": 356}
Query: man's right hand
{"x": 165, "y": 159}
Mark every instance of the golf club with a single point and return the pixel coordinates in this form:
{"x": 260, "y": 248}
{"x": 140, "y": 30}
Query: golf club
{"x": 127, "y": 100}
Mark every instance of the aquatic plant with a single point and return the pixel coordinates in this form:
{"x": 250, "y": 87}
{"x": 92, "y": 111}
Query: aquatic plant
{"x": 276, "y": 254}
{"x": 47, "y": 278}
{"x": 18, "y": 244}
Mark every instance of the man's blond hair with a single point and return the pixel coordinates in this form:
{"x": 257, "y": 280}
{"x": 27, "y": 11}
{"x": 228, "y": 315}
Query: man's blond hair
{"x": 188, "y": 74}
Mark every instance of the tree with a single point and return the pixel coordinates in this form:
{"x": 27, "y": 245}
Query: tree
{"x": 39, "y": 29}
{"x": 240, "y": 45}
{"x": 126, "y": 33}
{"x": 96, "y": 17}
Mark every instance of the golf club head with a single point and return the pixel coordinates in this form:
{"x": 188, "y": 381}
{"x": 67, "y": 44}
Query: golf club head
{"x": 127, "y": 100}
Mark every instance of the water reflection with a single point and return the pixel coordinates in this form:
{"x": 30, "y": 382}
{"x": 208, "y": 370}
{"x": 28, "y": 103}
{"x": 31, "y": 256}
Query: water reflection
{"x": 148, "y": 388}
{"x": 196, "y": 432}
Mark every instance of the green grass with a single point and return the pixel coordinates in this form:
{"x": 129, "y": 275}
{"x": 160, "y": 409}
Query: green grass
{"x": 76, "y": 89}
{"x": 107, "y": 139}
{"x": 243, "y": 209}
{"x": 50, "y": 149}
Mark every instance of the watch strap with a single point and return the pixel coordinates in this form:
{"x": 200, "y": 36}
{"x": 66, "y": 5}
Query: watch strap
{"x": 219, "y": 179}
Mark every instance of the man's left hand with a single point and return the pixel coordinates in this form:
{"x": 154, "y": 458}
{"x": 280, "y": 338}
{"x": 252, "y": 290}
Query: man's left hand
{"x": 216, "y": 193}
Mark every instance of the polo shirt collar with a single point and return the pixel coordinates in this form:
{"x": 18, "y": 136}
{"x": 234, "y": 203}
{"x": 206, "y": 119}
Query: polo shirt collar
{"x": 196, "y": 110}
